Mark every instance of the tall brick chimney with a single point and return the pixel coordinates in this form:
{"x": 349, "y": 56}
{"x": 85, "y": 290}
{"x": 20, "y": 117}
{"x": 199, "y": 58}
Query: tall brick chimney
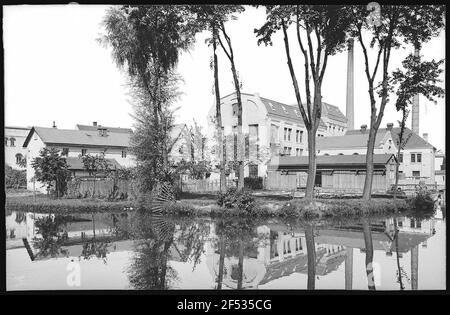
{"x": 54, "y": 124}
{"x": 415, "y": 106}
{"x": 349, "y": 109}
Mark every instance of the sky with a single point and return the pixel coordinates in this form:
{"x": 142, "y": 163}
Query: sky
{"x": 55, "y": 70}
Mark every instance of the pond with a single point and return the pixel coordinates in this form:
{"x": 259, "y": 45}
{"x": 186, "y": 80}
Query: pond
{"x": 139, "y": 251}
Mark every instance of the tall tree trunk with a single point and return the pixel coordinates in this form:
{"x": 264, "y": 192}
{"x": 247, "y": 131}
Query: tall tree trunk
{"x": 312, "y": 165}
{"x": 397, "y": 256}
{"x": 220, "y": 141}
{"x": 369, "y": 253}
{"x": 367, "y": 191}
{"x": 311, "y": 252}
{"x": 241, "y": 264}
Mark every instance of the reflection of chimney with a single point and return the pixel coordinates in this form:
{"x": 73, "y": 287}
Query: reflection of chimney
{"x": 363, "y": 128}
{"x": 349, "y": 100}
{"x": 389, "y": 126}
{"x": 415, "y": 106}
{"x": 425, "y": 137}
{"x": 94, "y": 124}
{"x": 54, "y": 124}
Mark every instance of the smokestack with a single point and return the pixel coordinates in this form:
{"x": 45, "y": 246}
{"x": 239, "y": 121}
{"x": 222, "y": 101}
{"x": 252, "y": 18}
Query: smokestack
{"x": 363, "y": 128}
{"x": 349, "y": 110}
{"x": 94, "y": 124}
{"x": 54, "y": 124}
{"x": 425, "y": 137}
{"x": 415, "y": 106}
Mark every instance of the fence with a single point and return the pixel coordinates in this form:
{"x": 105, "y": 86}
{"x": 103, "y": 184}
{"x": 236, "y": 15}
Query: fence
{"x": 204, "y": 185}
{"x": 99, "y": 188}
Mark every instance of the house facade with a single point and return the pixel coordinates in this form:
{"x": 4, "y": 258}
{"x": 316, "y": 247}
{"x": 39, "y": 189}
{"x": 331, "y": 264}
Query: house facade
{"x": 273, "y": 128}
{"x": 73, "y": 143}
{"x": 14, "y": 140}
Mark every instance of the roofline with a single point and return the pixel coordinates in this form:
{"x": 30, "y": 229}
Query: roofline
{"x": 20, "y": 128}
{"x": 235, "y": 93}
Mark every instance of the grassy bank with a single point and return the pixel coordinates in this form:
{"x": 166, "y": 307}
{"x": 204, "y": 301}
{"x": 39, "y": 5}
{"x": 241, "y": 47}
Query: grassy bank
{"x": 264, "y": 206}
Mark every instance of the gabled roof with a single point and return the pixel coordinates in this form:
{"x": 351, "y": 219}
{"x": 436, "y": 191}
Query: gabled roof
{"x": 79, "y": 137}
{"x": 334, "y": 112}
{"x": 76, "y": 163}
{"x": 109, "y": 129}
{"x": 414, "y": 142}
{"x": 331, "y": 161}
{"x": 349, "y": 140}
{"x": 286, "y": 111}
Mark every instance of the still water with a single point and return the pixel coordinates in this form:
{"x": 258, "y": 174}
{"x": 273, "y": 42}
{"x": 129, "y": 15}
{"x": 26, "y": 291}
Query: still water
{"x": 133, "y": 250}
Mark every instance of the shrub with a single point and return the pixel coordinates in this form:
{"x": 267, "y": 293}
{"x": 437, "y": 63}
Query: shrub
{"x": 15, "y": 178}
{"x": 232, "y": 198}
{"x": 253, "y": 183}
{"x": 422, "y": 203}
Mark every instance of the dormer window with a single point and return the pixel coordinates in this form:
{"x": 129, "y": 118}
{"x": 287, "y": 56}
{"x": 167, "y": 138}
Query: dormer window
{"x": 284, "y": 109}
{"x": 102, "y": 132}
{"x": 271, "y": 106}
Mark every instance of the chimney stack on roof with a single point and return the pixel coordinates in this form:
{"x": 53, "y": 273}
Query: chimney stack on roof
{"x": 363, "y": 128}
{"x": 425, "y": 137}
{"x": 389, "y": 126}
{"x": 54, "y": 124}
{"x": 94, "y": 124}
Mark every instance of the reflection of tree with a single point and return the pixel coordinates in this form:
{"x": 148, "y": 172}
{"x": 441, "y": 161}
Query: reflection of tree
{"x": 235, "y": 237}
{"x": 53, "y": 236}
{"x": 94, "y": 247}
{"x": 369, "y": 253}
{"x": 311, "y": 252}
{"x": 192, "y": 237}
{"x": 149, "y": 269}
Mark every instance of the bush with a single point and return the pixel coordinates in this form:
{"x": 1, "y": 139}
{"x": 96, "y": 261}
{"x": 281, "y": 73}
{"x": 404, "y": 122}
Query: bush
{"x": 422, "y": 203}
{"x": 253, "y": 183}
{"x": 15, "y": 178}
{"x": 241, "y": 200}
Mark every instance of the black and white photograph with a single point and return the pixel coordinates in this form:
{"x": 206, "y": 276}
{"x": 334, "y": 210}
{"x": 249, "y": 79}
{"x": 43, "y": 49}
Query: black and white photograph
{"x": 224, "y": 147}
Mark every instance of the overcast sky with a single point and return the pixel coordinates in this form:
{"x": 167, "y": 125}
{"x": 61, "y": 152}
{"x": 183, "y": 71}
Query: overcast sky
{"x": 56, "y": 71}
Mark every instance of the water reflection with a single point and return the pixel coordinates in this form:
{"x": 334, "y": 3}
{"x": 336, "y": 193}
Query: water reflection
{"x": 170, "y": 253}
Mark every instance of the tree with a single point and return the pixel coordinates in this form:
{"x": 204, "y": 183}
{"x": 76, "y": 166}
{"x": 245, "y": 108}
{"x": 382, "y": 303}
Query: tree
{"x": 328, "y": 24}
{"x": 51, "y": 168}
{"x": 146, "y": 40}
{"x": 418, "y": 77}
{"x": 94, "y": 164}
{"x": 369, "y": 253}
{"x": 228, "y": 11}
{"x": 412, "y": 24}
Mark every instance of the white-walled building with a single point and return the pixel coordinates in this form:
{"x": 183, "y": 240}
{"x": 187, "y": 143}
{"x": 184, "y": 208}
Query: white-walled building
{"x": 417, "y": 158}
{"x": 274, "y": 127}
{"x": 73, "y": 143}
{"x": 14, "y": 151}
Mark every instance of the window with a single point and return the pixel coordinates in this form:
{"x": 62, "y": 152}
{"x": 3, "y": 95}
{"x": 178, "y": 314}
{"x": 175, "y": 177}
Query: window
{"x": 419, "y": 157}
{"x": 285, "y": 133}
{"x": 289, "y": 134}
{"x": 297, "y": 152}
{"x": 181, "y": 149}
{"x": 124, "y": 153}
{"x": 355, "y": 153}
{"x": 65, "y": 151}
{"x": 19, "y": 158}
{"x": 83, "y": 152}
{"x": 301, "y": 136}
{"x": 297, "y": 136}
{"x": 416, "y": 174}
{"x": 341, "y": 154}
{"x": 253, "y": 170}
{"x": 274, "y": 134}
{"x": 235, "y": 109}
{"x": 284, "y": 109}
{"x": 413, "y": 158}
{"x": 12, "y": 141}
{"x": 301, "y": 152}
{"x": 289, "y": 150}
{"x": 6, "y": 141}
{"x": 271, "y": 106}
{"x": 400, "y": 158}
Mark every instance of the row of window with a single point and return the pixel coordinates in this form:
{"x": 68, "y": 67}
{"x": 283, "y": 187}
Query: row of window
{"x": 65, "y": 152}
{"x": 415, "y": 157}
{"x": 340, "y": 129}
{"x": 288, "y": 151}
{"x": 12, "y": 142}
{"x": 288, "y": 133}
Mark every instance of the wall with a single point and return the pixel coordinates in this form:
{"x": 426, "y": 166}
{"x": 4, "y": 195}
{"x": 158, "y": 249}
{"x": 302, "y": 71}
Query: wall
{"x": 19, "y": 134}
{"x": 426, "y": 167}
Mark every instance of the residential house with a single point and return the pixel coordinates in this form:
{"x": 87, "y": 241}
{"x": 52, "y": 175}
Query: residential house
{"x": 73, "y": 143}
{"x": 14, "y": 151}
{"x": 272, "y": 128}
